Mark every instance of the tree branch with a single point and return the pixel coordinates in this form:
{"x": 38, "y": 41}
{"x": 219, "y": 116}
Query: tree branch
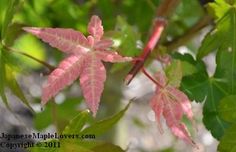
{"x": 160, "y": 22}
{"x": 192, "y": 32}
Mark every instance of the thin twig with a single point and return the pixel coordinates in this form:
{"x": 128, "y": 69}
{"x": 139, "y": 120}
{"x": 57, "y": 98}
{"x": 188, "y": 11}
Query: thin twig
{"x": 151, "y": 78}
{"x": 50, "y": 67}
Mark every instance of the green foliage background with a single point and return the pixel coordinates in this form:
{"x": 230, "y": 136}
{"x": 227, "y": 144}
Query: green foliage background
{"x": 127, "y": 22}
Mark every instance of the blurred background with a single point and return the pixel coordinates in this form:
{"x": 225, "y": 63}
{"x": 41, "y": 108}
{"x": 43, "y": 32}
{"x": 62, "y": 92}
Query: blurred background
{"x": 128, "y": 23}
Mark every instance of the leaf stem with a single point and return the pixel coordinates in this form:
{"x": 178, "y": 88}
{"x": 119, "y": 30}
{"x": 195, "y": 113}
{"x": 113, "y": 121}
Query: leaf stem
{"x": 50, "y": 67}
{"x": 151, "y": 78}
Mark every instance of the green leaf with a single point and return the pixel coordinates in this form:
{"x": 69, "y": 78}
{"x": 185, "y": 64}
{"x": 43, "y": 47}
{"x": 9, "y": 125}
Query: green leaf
{"x": 88, "y": 144}
{"x": 218, "y": 8}
{"x": 66, "y": 111}
{"x": 13, "y": 32}
{"x": 210, "y": 90}
{"x": 77, "y": 123}
{"x": 102, "y": 126}
{"x": 209, "y": 44}
{"x": 226, "y": 68}
{"x": 200, "y": 88}
{"x": 184, "y": 18}
{"x": 174, "y": 73}
{"x": 211, "y": 117}
{"x": 228, "y": 141}
{"x": 223, "y": 33}
{"x": 196, "y": 86}
{"x": 7, "y": 79}
{"x": 187, "y": 68}
{"x": 3, "y": 78}
{"x": 126, "y": 36}
{"x": 189, "y": 64}
{"x": 42, "y": 149}
{"x": 8, "y": 16}
{"x": 107, "y": 147}
{"x": 125, "y": 39}
{"x": 14, "y": 87}
{"x": 222, "y": 84}
{"x": 227, "y": 108}
{"x": 71, "y": 146}
{"x": 225, "y": 58}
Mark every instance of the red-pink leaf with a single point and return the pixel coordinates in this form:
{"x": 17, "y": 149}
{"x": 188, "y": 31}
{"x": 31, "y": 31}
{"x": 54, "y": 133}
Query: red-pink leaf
{"x": 92, "y": 81}
{"x": 103, "y": 44}
{"x": 95, "y": 28}
{"x": 66, "y": 73}
{"x": 111, "y": 56}
{"x": 158, "y": 108}
{"x": 172, "y": 104}
{"x": 86, "y": 60}
{"x": 66, "y": 40}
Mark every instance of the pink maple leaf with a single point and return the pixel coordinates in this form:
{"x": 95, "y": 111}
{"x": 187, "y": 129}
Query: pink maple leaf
{"x": 84, "y": 61}
{"x": 172, "y": 104}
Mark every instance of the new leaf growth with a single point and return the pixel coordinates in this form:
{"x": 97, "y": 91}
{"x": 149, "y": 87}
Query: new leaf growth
{"x": 85, "y": 56}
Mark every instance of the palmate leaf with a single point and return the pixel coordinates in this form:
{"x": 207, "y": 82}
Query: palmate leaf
{"x": 201, "y": 88}
{"x": 172, "y": 104}
{"x": 85, "y": 61}
{"x": 213, "y": 90}
{"x": 210, "y": 90}
{"x": 65, "y": 74}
